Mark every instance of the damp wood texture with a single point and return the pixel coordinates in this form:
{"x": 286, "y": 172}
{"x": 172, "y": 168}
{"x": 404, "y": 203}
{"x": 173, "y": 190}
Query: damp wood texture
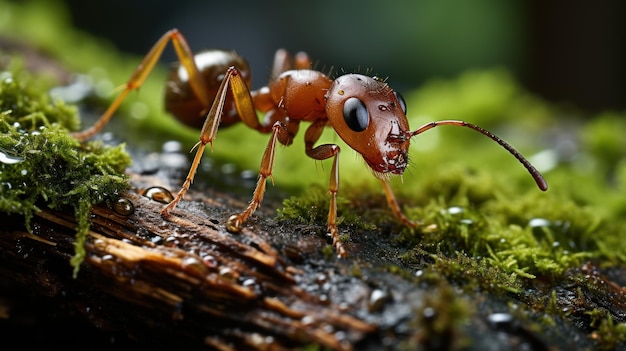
{"x": 183, "y": 282}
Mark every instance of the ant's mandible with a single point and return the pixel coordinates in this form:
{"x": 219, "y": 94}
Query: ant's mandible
{"x": 364, "y": 111}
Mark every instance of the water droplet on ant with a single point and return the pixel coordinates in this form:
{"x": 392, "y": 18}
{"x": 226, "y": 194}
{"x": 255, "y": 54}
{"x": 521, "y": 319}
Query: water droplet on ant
{"x": 123, "y": 207}
{"x": 158, "y": 194}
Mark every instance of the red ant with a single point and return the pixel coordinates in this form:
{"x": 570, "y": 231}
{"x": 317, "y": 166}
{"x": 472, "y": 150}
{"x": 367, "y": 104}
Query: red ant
{"x": 364, "y": 111}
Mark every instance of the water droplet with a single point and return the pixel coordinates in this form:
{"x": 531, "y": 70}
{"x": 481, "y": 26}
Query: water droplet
{"x": 248, "y": 282}
{"x": 174, "y": 160}
{"x": 209, "y": 261}
{"x": 229, "y": 273}
{"x": 8, "y": 159}
{"x": 377, "y": 300}
{"x": 80, "y": 87}
{"x": 123, "y": 207}
{"x": 158, "y": 194}
{"x": 429, "y": 313}
{"x": 539, "y": 222}
{"x": 455, "y": 210}
{"x": 228, "y": 168}
{"x": 539, "y": 226}
{"x": 321, "y": 278}
{"x": 139, "y": 110}
{"x": 172, "y": 146}
{"x": 248, "y": 175}
{"x": 308, "y": 320}
{"x": 194, "y": 264}
{"x": 100, "y": 244}
{"x": 500, "y": 320}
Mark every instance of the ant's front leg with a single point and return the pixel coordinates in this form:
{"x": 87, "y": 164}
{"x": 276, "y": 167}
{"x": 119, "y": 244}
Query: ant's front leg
{"x": 143, "y": 70}
{"x": 395, "y": 207}
{"x": 324, "y": 152}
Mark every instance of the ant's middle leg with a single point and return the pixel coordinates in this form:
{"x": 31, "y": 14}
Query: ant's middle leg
{"x": 142, "y": 71}
{"x": 279, "y": 133}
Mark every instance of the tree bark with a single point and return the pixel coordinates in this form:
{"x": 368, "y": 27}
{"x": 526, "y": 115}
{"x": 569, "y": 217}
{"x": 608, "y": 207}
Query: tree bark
{"x": 182, "y": 282}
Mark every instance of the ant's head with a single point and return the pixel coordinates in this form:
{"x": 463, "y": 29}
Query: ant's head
{"x": 371, "y": 118}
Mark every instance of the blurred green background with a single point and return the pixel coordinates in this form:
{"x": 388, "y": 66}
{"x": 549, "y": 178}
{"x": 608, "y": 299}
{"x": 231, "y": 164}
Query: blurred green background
{"x": 564, "y": 51}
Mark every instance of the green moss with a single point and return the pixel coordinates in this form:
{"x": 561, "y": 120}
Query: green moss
{"x": 312, "y": 208}
{"x": 44, "y": 166}
{"x": 610, "y": 335}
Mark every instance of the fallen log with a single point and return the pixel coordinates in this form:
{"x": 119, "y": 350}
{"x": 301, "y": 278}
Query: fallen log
{"x": 184, "y": 281}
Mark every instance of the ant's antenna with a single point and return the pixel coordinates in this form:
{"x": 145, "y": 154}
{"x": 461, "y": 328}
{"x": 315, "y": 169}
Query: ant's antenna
{"x": 541, "y": 182}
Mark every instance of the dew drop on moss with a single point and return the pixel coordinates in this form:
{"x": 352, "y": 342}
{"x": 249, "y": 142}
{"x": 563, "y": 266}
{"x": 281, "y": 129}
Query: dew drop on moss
{"x": 453, "y": 210}
{"x": 8, "y": 159}
{"x": 539, "y": 222}
{"x": 500, "y": 320}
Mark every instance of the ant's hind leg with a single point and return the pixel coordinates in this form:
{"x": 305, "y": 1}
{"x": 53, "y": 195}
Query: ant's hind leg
{"x": 143, "y": 70}
{"x": 245, "y": 107}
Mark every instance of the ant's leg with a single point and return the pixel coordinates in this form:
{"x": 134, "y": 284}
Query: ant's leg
{"x": 395, "y": 207}
{"x": 245, "y": 108}
{"x": 302, "y": 60}
{"x": 284, "y": 62}
{"x": 323, "y": 152}
{"x": 279, "y": 133}
{"x": 143, "y": 70}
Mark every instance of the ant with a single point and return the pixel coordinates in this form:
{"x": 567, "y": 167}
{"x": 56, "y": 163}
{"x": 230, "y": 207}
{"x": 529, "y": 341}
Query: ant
{"x": 364, "y": 111}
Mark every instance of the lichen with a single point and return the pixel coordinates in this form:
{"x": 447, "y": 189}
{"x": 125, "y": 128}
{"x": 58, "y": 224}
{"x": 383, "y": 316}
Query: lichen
{"x": 44, "y": 166}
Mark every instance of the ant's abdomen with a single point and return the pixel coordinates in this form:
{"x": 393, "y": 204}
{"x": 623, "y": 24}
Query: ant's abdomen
{"x": 180, "y": 99}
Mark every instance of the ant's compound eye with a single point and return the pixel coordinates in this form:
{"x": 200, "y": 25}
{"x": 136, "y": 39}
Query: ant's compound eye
{"x": 401, "y": 101}
{"x": 356, "y": 115}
